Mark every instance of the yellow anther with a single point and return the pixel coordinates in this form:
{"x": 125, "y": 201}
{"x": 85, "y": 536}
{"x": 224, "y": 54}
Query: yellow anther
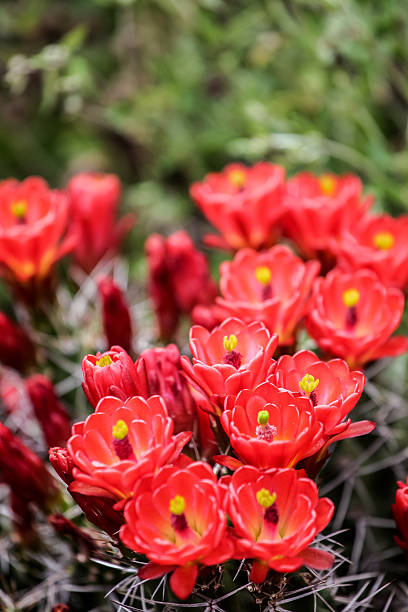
{"x": 237, "y": 178}
{"x": 327, "y": 184}
{"x": 263, "y": 275}
{"x": 19, "y": 209}
{"x": 230, "y": 343}
{"x": 264, "y": 498}
{"x": 263, "y": 417}
{"x": 177, "y": 505}
{"x": 120, "y": 430}
{"x": 105, "y": 360}
{"x": 383, "y": 241}
{"x": 351, "y": 297}
{"x": 308, "y": 383}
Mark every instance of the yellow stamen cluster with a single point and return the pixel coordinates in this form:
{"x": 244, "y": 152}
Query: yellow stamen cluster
{"x": 308, "y": 383}
{"x": 351, "y": 297}
{"x": 120, "y": 430}
{"x": 19, "y": 209}
{"x": 237, "y": 178}
{"x": 263, "y": 417}
{"x": 264, "y": 498}
{"x": 327, "y": 184}
{"x": 383, "y": 241}
{"x": 263, "y": 275}
{"x": 177, "y": 505}
{"x": 230, "y": 343}
{"x": 104, "y": 361}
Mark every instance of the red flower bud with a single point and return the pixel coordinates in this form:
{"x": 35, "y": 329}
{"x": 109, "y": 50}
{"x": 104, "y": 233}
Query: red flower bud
{"x": 115, "y": 314}
{"x": 62, "y": 463}
{"x": 51, "y": 414}
{"x": 400, "y": 512}
{"x": 16, "y": 348}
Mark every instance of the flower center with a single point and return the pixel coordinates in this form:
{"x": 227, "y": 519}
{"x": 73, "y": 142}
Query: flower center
{"x": 327, "y": 184}
{"x": 232, "y": 357}
{"x": 19, "y": 210}
{"x": 383, "y": 241}
{"x": 121, "y": 443}
{"x": 268, "y": 501}
{"x": 237, "y": 178}
{"x": 308, "y": 385}
{"x": 264, "y": 431}
{"x": 350, "y": 299}
{"x": 104, "y": 361}
{"x": 177, "y": 506}
{"x": 263, "y": 275}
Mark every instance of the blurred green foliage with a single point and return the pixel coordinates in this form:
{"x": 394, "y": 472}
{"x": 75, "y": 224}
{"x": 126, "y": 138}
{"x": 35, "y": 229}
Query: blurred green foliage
{"x": 162, "y": 91}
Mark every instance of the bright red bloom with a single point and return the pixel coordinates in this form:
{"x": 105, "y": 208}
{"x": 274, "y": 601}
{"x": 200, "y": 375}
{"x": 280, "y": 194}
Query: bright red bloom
{"x": 16, "y": 348}
{"x": 95, "y": 199}
{"x": 270, "y": 427}
{"x": 276, "y": 515}
{"x": 272, "y": 286}
{"x": 120, "y": 442}
{"x": 234, "y": 356}
{"x": 160, "y": 373}
{"x": 110, "y": 373}
{"x": 33, "y": 219}
{"x": 378, "y": 243}
{"x": 320, "y": 208}
{"x": 179, "y": 279}
{"x": 51, "y": 414}
{"x": 176, "y": 518}
{"x": 244, "y": 204}
{"x": 353, "y": 316}
{"x": 400, "y": 513}
{"x": 117, "y": 322}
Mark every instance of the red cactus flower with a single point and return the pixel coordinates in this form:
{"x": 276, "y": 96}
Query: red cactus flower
{"x": 378, "y": 243}
{"x": 320, "y": 208}
{"x": 160, "y": 373}
{"x": 353, "y": 316}
{"x": 176, "y": 518}
{"x": 270, "y": 427}
{"x": 400, "y": 513}
{"x": 51, "y": 414}
{"x": 116, "y": 317}
{"x": 16, "y": 348}
{"x": 120, "y": 442}
{"x": 33, "y": 220}
{"x": 110, "y": 373}
{"x": 272, "y": 286}
{"x": 276, "y": 516}
{"x": 95, "y": 199}
{"x": 234, "y": 356}
{"x": 244, "y": 204}
{"x": 179, "y": 279}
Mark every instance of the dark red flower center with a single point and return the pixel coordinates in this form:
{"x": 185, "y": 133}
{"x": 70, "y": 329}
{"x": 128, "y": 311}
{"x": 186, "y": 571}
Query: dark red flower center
{"x": 233, "y": 358}
{"x": 121, "y": 443}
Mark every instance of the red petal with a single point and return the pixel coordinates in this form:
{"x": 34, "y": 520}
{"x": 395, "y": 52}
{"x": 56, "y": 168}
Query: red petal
{"x": 183, "y": 579}
{"x": 318, "y": 559}
{"x": 259, "y": 571}
{"x": 154, "y": 570}
{"x": 229, "y": 462}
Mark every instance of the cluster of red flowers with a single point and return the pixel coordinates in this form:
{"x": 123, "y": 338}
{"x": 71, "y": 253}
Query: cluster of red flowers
{"x": 199, "y": 461}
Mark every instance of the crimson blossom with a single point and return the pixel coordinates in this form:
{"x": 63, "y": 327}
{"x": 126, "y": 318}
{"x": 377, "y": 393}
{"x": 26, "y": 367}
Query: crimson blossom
{"x": 244, "y": 204}
{"x": 400, "y": 513}
{"x": 120, "y": 442}
{"x": 272, "y": 286}
{"x": 276, "y": 515}
{"x": 117, "y": 321}
{"x": 378, "y": 243}
{"x": 50, "y": 412}
{"x": 177, "y": 519}
{"x": 95, "y": 198}
{"x": 319, "y": 208}
{"x": 234, "y": 356}
{"x": 33, "y": 220}
{"x": 352, "y": 315}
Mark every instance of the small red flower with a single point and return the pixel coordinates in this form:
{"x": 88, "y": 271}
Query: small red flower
{"x": 51, "y": 414}
{"x": 95, "y": 199}
{"x": 176, "y": 518}
{"x": 33, "y": 219}
{"x": 378, "y": 243}
{"x": 120, "y": 442}
{"x": 110, "y": 373}
{"x": 117, "y": 322}
{"x": 353, "y": 316}
{"x": 270, "y": 427}
{"x": 179, "y": 279}
{"x": 319, "y": 208}
{"x": 16, "y": 347}
{"x": 276, "y": 516}
{"x": 160, "y": 373}
{"x": 244, "y": 204}
{"x": 234, "y": 356}
{"x": 400, "y": 512}
{"x": 272, "y": 286}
